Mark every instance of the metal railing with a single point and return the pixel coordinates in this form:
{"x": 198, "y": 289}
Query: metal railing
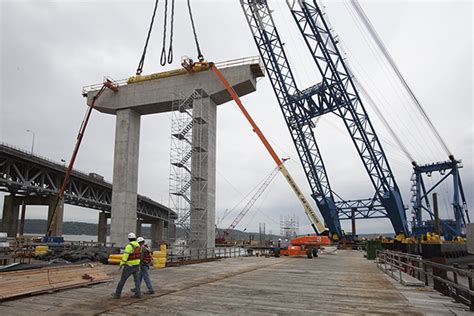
{"x": 180, "y": 255}
{"x": 449, "y": 280}
{"x": 55, "y": 164}
{"x": 222, "y": 64}
{"x": 240, "y": 61}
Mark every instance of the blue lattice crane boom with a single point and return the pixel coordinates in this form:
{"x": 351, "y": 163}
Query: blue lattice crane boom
{"x": 336, "y": 93}
{"x": 297, "y": 109}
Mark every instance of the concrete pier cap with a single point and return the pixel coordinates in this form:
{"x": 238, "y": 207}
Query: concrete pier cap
{"x": 156, "y": 96}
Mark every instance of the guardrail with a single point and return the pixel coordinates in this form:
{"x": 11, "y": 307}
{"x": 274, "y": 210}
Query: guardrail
{"x": 222, "y": 64}
{"x": 180, "y": 255}
{"x": 448, "y": 280}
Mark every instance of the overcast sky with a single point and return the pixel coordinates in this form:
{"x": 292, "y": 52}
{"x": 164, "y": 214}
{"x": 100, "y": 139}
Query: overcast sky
{"x": 51, "y": 49}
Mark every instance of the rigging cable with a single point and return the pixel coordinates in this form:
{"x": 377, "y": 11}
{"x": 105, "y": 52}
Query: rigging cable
{"x": 142, "y": 59}
{"x": 200, "y": 56}
{"x": 384, "y": 121}
{"x": 389, "y": 58}
{"x": 163, "y": 50}
{"x": 170, "y": 49}
{"x": 399, "y": 92}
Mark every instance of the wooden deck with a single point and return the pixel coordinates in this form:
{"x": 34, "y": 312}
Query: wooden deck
{"x": 340, "y": 284}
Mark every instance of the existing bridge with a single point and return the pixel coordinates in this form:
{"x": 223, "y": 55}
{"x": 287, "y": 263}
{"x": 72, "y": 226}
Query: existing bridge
{"x": 34, "y": 180}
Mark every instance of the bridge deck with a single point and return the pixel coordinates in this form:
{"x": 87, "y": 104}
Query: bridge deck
{"x": 341, "y": 284}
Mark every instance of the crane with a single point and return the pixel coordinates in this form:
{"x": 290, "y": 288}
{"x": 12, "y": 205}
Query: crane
{"x": 315, "y": 221}
{"x": 336, "y": 93}
{"x": 249, "y": 204}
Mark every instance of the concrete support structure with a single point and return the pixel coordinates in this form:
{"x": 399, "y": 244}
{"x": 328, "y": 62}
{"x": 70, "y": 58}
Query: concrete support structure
{"x": 22, "y": 218}
{"x": 157, "y": 96}
{"x": 124, "y": 192}
{"x": 138, "y": 230}
{"x": 203, "y": 169}
{"x": 353, "y": 221}
{"x": 11, "y": 211}
{"x": 102, "y": 229}
{"x": 11, "y": 207}
{"x": 55, "y": 218}
{"x": 157, "y": 233}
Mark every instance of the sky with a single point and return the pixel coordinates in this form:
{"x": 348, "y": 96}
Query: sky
{"x": 51, "y": 49}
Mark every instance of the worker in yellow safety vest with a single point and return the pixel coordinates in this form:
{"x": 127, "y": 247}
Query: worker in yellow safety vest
{"x": 131, "y": 265}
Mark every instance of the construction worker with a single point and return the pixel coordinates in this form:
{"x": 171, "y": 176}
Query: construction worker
{"x": 146, "y": 261}
{"x": 131, "y": 265}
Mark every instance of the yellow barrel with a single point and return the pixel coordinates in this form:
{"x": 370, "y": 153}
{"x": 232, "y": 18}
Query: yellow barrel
{"x": 40, "y": 250}
{"x": 163, "y": 248}
{"x": 116, "y": 256}
{"x": 159, "y": 254}
{"x": 114, "y": 261}
{"x": 159, "y": 263}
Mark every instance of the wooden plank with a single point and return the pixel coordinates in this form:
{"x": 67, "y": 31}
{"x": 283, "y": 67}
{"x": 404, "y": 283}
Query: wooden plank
{"x": 42, "y": 280}
{"x": 343, "y": 284}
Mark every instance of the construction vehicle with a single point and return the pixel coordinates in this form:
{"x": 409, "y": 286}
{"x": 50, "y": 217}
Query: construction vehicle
{"x": 303, "y": 246}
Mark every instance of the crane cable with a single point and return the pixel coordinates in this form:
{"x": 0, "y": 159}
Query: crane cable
{"x": 163, "y": 59}
{"x": 198, "y": 48}
{"x": 392, "y": 63}
{"x": 170, "y": 49}
{"x": 142, "y": 59}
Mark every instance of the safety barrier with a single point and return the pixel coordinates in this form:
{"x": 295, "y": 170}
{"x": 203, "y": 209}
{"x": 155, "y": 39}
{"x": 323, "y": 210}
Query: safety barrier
{"x": 179, "y": 255}
{"x": 448, "y": 280}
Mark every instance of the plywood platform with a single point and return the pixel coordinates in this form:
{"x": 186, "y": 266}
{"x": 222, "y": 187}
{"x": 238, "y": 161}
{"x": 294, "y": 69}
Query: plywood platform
{"x": 341, "y": 284}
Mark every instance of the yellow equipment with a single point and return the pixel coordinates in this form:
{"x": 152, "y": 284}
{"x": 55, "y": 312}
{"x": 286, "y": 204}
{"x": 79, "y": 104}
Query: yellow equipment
{"x": 189, "y": 67}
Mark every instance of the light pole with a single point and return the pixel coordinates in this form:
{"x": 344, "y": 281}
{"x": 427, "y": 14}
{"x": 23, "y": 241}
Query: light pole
{"x": 33, "y": 142}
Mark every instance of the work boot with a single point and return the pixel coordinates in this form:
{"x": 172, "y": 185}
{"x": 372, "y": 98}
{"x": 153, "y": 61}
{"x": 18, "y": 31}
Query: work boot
{"x": 151, "y": 292}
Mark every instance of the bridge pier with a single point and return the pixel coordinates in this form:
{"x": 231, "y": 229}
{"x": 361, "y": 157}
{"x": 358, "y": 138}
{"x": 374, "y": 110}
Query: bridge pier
{"x": 55, "y": 218}
{"x": 11, "y": 211}
{"x": 203, "y": 168}
{"x": 157, "y": 96}
{"x": 157, "y": 233}
{"x": 124, "y": 191}
{"x": 138, "y": 231}
{"x": 102, "y": 229}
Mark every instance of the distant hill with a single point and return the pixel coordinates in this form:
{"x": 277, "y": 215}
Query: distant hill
{"x": 38, "y": 226}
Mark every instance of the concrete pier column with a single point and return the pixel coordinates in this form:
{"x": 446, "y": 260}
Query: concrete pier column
{"x": 172, "y": 233}
{"x": 124, "y": 192}
{"x": 11, "y": 210}
{"x": 102, "y": 230}
{"x": 138, "y": 230}
{"x": 353, "y": 221}
{"x": 203, "y": 170}
{"x": 156, "y": 232}
{"x": 55, "y": 218}
{"x": 22, "y": 217}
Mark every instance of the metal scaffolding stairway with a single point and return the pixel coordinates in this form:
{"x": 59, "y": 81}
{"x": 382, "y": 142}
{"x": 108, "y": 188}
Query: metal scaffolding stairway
{"x": 185, "y": 143}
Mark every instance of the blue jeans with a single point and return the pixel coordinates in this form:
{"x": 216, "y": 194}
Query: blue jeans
{"x": 144, "y": 275}
{"x": 126, "y": 273}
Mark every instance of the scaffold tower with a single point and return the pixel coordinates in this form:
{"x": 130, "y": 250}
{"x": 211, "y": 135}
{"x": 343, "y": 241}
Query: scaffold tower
{"x": 289, "y": 226}
{"x": 187, "y": 178}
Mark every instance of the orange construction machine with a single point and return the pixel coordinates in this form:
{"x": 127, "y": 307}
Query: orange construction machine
{"x": 304, "y": 246}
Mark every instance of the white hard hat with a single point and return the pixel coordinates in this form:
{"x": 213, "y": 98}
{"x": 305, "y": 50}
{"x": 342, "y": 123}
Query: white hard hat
{"x": 132, "y": 236}
{"x": 141, "y": 239}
